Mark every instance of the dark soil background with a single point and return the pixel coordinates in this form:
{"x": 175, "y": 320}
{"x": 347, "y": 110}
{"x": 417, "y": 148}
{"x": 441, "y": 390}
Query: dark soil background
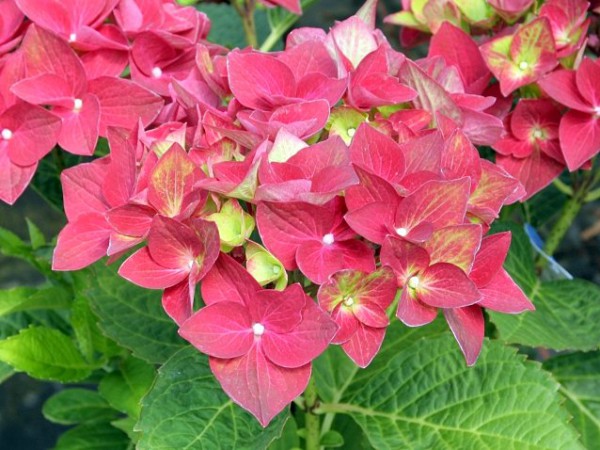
{"x": 22, "y": 426}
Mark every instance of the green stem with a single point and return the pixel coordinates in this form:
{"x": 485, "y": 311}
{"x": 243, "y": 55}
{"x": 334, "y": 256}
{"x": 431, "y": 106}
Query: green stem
{"x": 246, "y": 13}
{"x": 281, "y": 27}
{"x": 311, "y": 420}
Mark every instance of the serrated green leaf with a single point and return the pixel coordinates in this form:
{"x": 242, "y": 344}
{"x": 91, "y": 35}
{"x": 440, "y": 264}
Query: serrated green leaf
{"x": 133, "y": 316}
{"x": 579, "y": 376}
{"x": 73, "y": 406}
{"x": 100, "y": 436}
{"x": 566, "y": 317}
{"x": 186, "y": 408}
{"x": 425, "y": 397}
{"x": 27, "y": 299}
{"x": 125, "y": 388}
{"x": 127, "y": 425}
{"x": 46, "y": 354}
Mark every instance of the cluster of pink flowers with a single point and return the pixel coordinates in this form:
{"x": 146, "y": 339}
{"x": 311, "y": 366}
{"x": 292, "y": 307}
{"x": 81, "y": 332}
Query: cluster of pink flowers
{"x": 537, "y": 52}
{"x": 337, "y": 162}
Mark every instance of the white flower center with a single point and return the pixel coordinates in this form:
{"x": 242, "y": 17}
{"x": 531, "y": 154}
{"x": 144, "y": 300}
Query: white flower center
{"x": 597, "y": 110}
{"x": 258, "y": 329}
{"x": 523, "y": 65}
{"x": 276, "y": 270}
{"x": 537, "y": 134}
{"x": 77, "y": 104}
{"x": 413, "y": 282}
{"x": 328, "y": 239}
{"x": 401, "y": 231}
{"x": 351, "y": 132}
{"x": 348, "y": 301}
{"x": 6, "y": 134}
{"x": 157, "y": 72}
{"x": 72, "y": 37}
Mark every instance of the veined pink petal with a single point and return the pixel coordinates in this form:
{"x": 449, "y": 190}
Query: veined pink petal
{"x": 502, "y": 294}
{"x": 258, "y": 385}
{"x": 254, "y": 78}
{"x": 45, "y": 89}
{"x": 228, "y": 281}
{"x": 177, "y": 301}
{"x": 82, "y": 188}
{"x": 467, "y": 325}
{"x": 34, "y": 133}
{"x": 347, "y": 323}
{"x": 81, "y": 243}
{"x": 405, "y": 258}
{"x": 364, "y": 345}
{"x": 278, "y": 311}
{"x": 456, "y": 244}
{"x": 579, "y": 138}
{"x": 302, "y": 344}
{"x": 142, "y": 270}
{"x": 317, "y": 260}
{"x": 13, "y": 178}
{"x": 378, "y": 154}
{"x": 490, "y": 258}
{"x": 561, "y": 86}
{"x": 123, "y": 103}
{"x": 586, "y": 78}
{"x": 444, "y": 285}
{"x": 222, "y": 330}
{"x": 172, "y": 244}
{"x": 370, "y": 314}
{"x": 412, "y": 312}
{"x": 372, "y": 221}
{"x": 79, "y": 132}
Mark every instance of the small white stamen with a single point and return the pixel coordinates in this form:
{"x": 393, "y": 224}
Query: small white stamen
{"x": 72, "y": 37}
{"x": 348, "y": 301}
{"x": 351, "y": 132}
{"x": 597, "y": 110}
{"x": 523, "y": 65}
{"x": 6, "y": 134}
{"x": 537, "y": 134}
{"x": 157, "y": 72}
{"x": 77, "y": 104}
{"x": 328, "y": 239}
{"x": 413, "y": 282}
{"x": 191, "y": 263}
{"x": 401, "y": 231}
{"x": 276, "y": 270}
{"x": 258, "y": 329}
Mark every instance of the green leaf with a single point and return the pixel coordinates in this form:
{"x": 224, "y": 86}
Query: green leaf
{"x": 27, "y": 299}
{"x": 36, "y": 237}
{"x": 6, "y": 372}
{"x": 289, "y": 437}
{"x": 133, "y": 316}
{"x": 425, "y": 397}
{"x": 46, "y": 354}
{"x": 226, "y": 25}
{"x": 332, "y": 439}
{"x": 124, "y": 389}
{"x": 186, "y": 408}
{"x": 100, "y": 436}
{"x": 127, "y": 425}
{"x": 579, "y": 376}
{"x": 566, "y": 317}
{"x": 12, "y": 245}
{"x": 73, "y": 406}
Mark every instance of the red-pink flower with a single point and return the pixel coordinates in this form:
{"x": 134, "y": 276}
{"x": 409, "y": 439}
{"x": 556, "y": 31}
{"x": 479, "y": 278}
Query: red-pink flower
{"x": 357, "y": 301}
{"x": 260, "y": 342}
{"x": 579, "y": 129}
{"x": 313, "y": 238}
{"x": 531, "y": 152}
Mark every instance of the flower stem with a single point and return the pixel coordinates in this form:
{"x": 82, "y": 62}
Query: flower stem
{"x": 312, "y": 420}
{"x": 567, "y": 216}
{"x": 246, "y": 12}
